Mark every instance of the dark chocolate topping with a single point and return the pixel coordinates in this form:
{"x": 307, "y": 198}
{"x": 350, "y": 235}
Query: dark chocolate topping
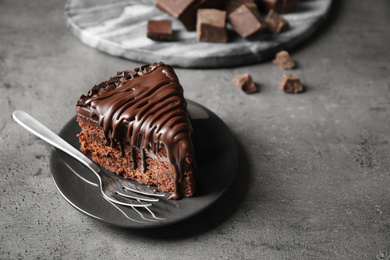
{"x": 145, "y": 108}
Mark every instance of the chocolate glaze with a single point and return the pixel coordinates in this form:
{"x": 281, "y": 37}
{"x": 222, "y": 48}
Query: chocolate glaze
{"x": 146, "y": 109}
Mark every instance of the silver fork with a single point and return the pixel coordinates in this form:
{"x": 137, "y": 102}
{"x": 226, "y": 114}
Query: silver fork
{"x": 114, "y": 189}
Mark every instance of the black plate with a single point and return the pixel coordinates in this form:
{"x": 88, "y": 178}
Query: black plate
{"x": 216, "y": 157}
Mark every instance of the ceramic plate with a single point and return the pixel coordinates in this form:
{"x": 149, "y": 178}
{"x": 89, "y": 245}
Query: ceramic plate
{"x": 216, "y": 157}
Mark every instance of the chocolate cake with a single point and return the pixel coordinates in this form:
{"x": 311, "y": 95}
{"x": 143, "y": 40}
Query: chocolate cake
{"x": 136, "y": 124}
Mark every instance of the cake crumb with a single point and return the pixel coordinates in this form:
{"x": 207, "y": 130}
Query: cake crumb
{"x": 245, "y": 83}
{"x": 283, "y": 60}
{"x": 291, "y": 83}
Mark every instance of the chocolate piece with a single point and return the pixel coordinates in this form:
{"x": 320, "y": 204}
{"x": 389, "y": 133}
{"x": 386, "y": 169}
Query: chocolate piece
{"x": 283, "y": 60}
{"x": 184, "y": 10}
{"x": 246, "y": 20}
{"x": 290, "y": 83}
{"x": 245, "y": 83}
{"x": 211, "y": 25}
{"x": 203, "y": 4}
{"x": 136, "y": 124}
{"x": 275, "y": 22}
{"x": 160, "y": 30}
{"x": 231, "y": 5}
{"x": 280, "y": 6}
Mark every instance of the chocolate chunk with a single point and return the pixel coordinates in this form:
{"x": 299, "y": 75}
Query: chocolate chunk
{"x": 231, "y": 5}
{"x": 160, "y": 30}
{"x": 202, "y": 4}
{"x": 211, "y": 25}
{"x": 275, "y": 22}
{"x": 280, "y": 6}
{"x": 290, "y": 83}
{"x": 245, "y": 83}
{"x": 184, "y": 10}
{"x": 246, "y": 20}
{"x": 283, "y": 60}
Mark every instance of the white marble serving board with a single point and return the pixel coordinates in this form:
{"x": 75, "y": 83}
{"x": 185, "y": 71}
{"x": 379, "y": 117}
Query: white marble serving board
{"x": 118, "y": 27}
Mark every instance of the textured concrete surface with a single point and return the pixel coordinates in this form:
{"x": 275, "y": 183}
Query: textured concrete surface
{"x": 313, "y": 179}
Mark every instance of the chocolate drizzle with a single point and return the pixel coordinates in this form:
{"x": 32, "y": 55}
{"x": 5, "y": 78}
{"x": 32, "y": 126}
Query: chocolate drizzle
{"x": 146, "y": 109}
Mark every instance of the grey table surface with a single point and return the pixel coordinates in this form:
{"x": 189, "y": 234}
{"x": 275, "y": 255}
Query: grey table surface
{"x": 313, "y": 180}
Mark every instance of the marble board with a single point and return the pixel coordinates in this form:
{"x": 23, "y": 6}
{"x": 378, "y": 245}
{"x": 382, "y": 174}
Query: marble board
{"x": 118, "y": 27}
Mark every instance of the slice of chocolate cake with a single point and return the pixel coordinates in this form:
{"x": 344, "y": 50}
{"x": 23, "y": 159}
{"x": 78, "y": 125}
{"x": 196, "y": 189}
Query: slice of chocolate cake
{"x": 136, "y": 124}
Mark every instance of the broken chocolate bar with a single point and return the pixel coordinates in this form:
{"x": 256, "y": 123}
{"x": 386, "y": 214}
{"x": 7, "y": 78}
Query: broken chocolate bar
{"x": 290, "y": 83}
{"x": 211, "y": 25}
{"x": 246, "y": 20}
{"x": 184, "y": 10}
{"x": 275, "y": 22}
{"x": 160, "y": 30}
{"x": 245, "y": 83}
{"x": 283, "y": 60}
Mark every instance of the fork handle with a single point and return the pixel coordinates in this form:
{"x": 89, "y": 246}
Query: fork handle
{"x": 38, "y": 129}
